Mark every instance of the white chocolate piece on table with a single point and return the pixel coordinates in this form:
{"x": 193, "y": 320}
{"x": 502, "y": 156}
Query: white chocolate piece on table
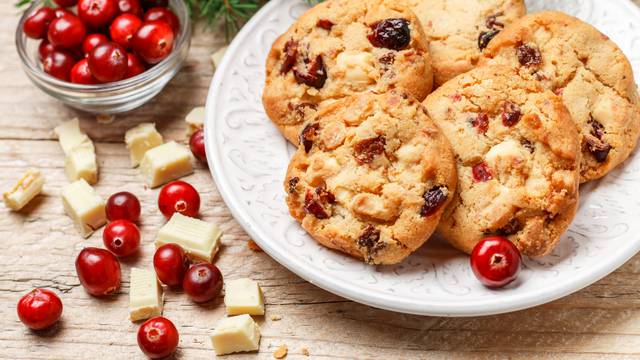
{"x": 243, "y": 296}
{"x": 81, "y": 163}
{"x": 27, "y": 188}
{"x": 141, "y": 139}
{"x": 145, "y": 295}
{"x": 84, "y": 207}
{"x": 195, "y": 120}
{"x": 236, "y": 334}
{"x": 217, "y": 56}
{"x": 70, "y": 135}
{"x": 165, "y": 163}
{"x": 199, "y": 239}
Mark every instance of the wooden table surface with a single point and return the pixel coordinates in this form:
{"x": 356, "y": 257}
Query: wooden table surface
{"x": 39, "y": 246}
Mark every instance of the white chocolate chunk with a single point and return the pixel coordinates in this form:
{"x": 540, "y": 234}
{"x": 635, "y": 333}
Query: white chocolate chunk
{"x": 217, "y": 56}
{"x": 27, "y": 188}
{"x": 195, "y": 120}
{"x": 141, "y": 139}
{"x": 84, "y": 207}
{"x": 236, "y": 334}
{"x": 243, "y": 296}
{"x": 81, "y": 163}
{"x": 70, "y": 135}
{"x": 145, "y": 295}
{"x": 198, "y": 238}
{"x": 165, "y": 163}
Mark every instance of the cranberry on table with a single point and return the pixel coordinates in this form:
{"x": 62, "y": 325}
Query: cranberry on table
{"x": 98, "y": 271}
{"x": 130, "y": 7}
{"x": 153, "y": 42}
{"x": 67, "y": 32}
{"x": 93, "y": 40}
{"x": 58, "y": 64}
{"x": 37, "y": 24}
{"x": 179, "y": 196}
{"x": 39, "y": 309}
{"x": 108, "y": 62}
{"x": 45, "y": 48}
{"x": 171, "y": 264}
{"x": 97, "y": 13}
{"x": 495, "y": 261}
{"x": 123, "y": 28}
{"x": 148, "y": 4}
{"x": 65, "y": 3}
{"x": 196, "y": 143}
{"x": 202, "y": 282}
{"x": 163, "y": 14}
{"x": 123, "y": 205}
{"x": 158, "y": 337}
{"x": 80, "y": 74}
{"x": 135, "y": 66}
{"x": 121, "y": 237}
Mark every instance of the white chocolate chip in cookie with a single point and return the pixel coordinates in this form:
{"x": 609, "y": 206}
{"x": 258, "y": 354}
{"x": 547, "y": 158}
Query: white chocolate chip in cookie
{"x": 509, "y": 161}
{"x": 332, "y": 135}
{"x": 357, "y": 68}
{"x": 321, "y": 168}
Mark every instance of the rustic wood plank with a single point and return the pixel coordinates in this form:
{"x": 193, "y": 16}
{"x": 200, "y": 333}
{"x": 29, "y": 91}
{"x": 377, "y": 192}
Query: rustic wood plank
{"x": 39, "y": 248}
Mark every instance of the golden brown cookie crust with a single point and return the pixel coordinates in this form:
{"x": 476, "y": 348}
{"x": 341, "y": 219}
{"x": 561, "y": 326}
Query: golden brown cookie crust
{"x": 337, "y": 31}
{"x": 454, "y": 28}
{"x": 589, "y": 71}
{"x": 372, "y": 177}
{"x": 518, "y": 156}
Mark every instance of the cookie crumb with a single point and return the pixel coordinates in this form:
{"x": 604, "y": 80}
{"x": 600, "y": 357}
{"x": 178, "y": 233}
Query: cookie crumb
{"x": 253, "y": 246}
{"x": 276, "y": 317}
{"x": 281, "y": 352}
{"x": 305, "y": 351}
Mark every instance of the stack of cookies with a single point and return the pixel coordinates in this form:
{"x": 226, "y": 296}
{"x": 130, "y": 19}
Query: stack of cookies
{"x": 466, "y": 117}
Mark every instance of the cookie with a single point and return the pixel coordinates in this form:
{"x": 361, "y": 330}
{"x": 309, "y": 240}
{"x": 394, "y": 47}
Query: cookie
{"x": 593, "y": 76}
{"x": 458, "y": 30}
{"x": 341, "y": 48}
{"x": 372, "y": 178}
{"x": 518, "y": 158}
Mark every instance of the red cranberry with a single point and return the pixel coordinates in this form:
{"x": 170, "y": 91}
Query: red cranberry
{"x": 67, "y": 32}
{"x": 130, "y": 7}
{"x": 123, "y": 205}
{"x": 65, "y": 3}
{"x": 481, "y": 172}
{"x": 80, "y": 73}
{"x": 158, "y": 337}
{"x": 60, "y": 12}
{"x": 171, "y": 264}
{"x": 313, "y": 74}
{"x": 163, "y": 14}
{"x": 121, "y": 237}
{"x": 179, "y": 196}
{"x": 365, "y": 151}
{"x": 495, "y": 261}
{"x": 45, "y": 48}
{"x": 393, "y": 34}
{"x": 148, "y": 4}
{"x": 108, "y": 62}
{"x": 481, "y": 123}
{"x": 93, "y": 40}
{"x": 123, "y": 28}
{"x": 135, "y": 66}
{"x": 59, "y": 64}
{"x": 433, "y": 200}
{"x": 485, "y": 38}
{"x": 39, "y": 309}
{"x": 154, "y": 41}
{"x": 196, "y": 143}
{"x": 37, "y": 24}
{"x": 202, "y": 282}
{"x": 97, "y": 13}
{"x": 98, "y": 271}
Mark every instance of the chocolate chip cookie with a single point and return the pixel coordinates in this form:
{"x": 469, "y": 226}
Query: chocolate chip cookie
{"x": 589, "y": 72}
{"x": 518, "y": 159}
{"x": 458, "y": 30}
{"x": 340, "y": 48}
{"x": 372, "y": 178}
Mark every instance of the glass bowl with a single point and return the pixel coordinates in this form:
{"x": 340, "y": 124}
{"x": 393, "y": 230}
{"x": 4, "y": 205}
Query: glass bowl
{"x": 111, "y": 98}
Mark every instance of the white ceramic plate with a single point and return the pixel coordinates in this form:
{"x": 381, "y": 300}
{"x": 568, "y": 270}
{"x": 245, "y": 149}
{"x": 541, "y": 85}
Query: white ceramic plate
{"x": 248, "y": 158}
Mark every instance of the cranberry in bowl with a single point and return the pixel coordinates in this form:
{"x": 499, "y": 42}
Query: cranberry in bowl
{"x": 112, "y": 91}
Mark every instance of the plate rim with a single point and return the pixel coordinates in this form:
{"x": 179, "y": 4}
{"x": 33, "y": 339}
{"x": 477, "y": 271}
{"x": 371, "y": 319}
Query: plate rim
{"x": 488, "y": 306}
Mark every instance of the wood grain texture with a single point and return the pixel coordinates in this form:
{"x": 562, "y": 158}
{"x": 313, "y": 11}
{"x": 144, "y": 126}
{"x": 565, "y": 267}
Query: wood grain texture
{"x": 39, "y": 245}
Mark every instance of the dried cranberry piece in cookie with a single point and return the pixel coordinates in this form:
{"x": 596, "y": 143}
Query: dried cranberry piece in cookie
{"x": 393, "y": 34}
{"x": 513, "y": 227}
{"x": 481, "y": 172}
{"x": 315, "y": 202}
{"x": 325, "y": 24}
{"x": 485, "y": 38}
{"x": 369, "y": 237}
{"x": 293, "y": 183}
{"x": 511, "y": 114}
{"x": 481, "y": 123}
{"x": 314, "y": 75}
{"x": 528, "y": 55}
{"x": 325, "y": 196}
{"x": 528, "y": 145}
{"x": 433, "y": 199}
{"x": 308, "y": 135}
{"x": 596, "y": 144}
{"x": 492, "y": 21}
{"x": 290, "y": 56}
{"x": 366, "y": 150}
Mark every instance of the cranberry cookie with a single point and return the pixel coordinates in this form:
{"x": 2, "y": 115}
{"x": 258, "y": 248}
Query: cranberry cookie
{"x": 372, "y": 178}
{"x": 518, "y": 159}
{"x": 340, "y": 48}
{"x": 589, "y": 71}
{"x": 458, "y": 30}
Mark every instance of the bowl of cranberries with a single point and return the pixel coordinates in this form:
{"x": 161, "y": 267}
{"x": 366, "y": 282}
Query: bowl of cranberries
{"x": 103, "y": 56}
